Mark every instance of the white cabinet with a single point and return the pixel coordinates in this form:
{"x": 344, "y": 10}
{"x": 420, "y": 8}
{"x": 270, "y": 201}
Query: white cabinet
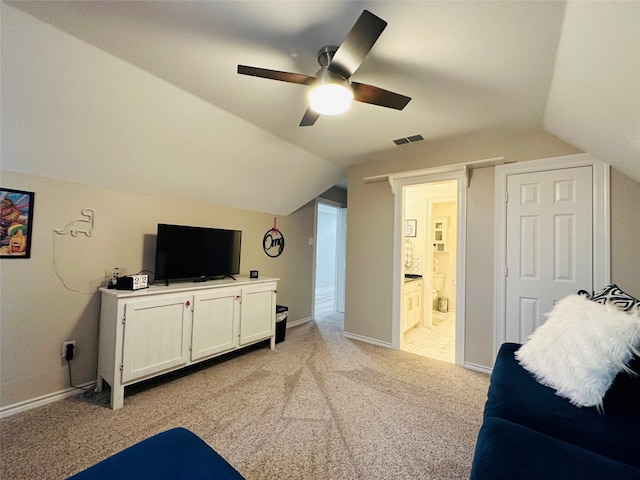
{"x": 412, "y": 300}
{"x": 440, "y": 234}
{"x": 149, "y": 332}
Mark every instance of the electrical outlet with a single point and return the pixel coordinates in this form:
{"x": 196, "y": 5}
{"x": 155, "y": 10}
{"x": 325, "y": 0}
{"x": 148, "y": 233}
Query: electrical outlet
{"x": 64, "y": 347}
{"x": 111, "y": 275}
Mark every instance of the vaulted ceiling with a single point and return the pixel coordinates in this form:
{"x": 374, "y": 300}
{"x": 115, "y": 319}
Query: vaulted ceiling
{"x": 470, "y": 67}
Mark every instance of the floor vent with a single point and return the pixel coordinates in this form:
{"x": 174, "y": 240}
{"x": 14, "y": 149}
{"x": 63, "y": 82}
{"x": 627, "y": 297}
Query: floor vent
{"x": 410, "y": 139}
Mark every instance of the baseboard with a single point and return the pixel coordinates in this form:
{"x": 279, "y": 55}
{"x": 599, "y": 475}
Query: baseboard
{"x": 296, "y": 323}
{"x": 373, "y": 341}
{"x": 70, "y": 392}
{"x": 40, "y": 401}
{"x": 478, "y": 368}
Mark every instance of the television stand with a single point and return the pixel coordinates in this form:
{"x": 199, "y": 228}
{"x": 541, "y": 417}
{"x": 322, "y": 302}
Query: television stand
{"x": 201, "y": 279}
{"x": 150, "y": 332}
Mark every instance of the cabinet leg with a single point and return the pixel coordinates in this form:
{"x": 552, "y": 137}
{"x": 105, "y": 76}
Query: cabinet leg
{"x": 117, "y": 397}
{"x": 99, "y": 384}
{"x": 273, "y": 343}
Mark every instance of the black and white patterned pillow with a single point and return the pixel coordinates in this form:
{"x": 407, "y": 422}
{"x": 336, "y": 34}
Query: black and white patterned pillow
{"x": 613, "y": 295}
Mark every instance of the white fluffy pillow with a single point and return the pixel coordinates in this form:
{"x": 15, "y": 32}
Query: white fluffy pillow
{"x": 580, "y": 349}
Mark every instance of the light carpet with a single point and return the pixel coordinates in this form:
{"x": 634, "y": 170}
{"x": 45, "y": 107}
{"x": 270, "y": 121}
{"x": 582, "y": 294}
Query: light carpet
{"x": 319, "y": 406}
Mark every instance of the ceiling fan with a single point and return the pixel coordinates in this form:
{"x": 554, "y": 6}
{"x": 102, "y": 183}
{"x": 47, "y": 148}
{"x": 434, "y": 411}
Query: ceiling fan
{"x": 337, "y": 64}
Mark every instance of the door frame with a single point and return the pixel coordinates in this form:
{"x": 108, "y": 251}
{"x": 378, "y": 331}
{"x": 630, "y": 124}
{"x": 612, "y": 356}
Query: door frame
{"x": 341, "y": 260}
{"x": 600, "y": 234}
{"x": 398, "y": 185}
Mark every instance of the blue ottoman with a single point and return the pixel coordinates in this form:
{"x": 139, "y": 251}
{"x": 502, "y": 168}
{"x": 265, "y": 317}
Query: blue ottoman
{"x": 172, "y": 455}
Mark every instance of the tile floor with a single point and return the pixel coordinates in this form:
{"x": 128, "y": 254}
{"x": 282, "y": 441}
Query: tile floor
{"x": 434, "y": 341}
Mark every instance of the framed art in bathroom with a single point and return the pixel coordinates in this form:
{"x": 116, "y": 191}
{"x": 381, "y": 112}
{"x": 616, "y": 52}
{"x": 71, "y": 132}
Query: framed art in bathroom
{"x": 410, "y": 228}
{"x": 16, "y": 219}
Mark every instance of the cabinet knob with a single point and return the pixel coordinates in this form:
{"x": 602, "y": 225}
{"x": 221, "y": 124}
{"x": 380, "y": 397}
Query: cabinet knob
{"x": 238, "y": 297}
{"x": 187, "y": 303}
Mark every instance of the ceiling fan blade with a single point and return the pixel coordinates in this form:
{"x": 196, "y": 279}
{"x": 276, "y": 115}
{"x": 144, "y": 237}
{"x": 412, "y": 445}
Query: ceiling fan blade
{"x": 275, "y": 75}
{"x": 378, "y": 96}
{"x": 357, "y": 44}
{"x": 309, "y": 118}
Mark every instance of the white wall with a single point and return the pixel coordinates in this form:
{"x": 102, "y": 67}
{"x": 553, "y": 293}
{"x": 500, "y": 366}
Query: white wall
{"x": 326, "y": 247}
{"x": 594, "y": 101}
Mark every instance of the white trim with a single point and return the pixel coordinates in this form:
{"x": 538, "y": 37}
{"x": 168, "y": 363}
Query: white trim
{"x": 456, "y": 167}
{"x": 478, "y": 368}
{"x": 297, "y": 323}
{"x": 373, "y": 341}
{"x": 397, "y": 187}
{"x": 341, "y": 260}
{"x": 43, "y": 400}
{"x": 601, "y": 224}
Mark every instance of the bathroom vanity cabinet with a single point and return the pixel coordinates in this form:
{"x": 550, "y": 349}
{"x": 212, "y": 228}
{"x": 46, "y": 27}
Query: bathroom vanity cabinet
{"x": 412, "y": 298}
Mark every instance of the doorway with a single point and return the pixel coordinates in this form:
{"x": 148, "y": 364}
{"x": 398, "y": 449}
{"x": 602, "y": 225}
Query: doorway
{"x": 458, "y": 237}
{"x": 330, "y": 259}
{"x": 430, "y": 260}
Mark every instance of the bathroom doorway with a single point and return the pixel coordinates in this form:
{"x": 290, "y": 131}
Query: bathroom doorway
{"x": 428, "y": 323}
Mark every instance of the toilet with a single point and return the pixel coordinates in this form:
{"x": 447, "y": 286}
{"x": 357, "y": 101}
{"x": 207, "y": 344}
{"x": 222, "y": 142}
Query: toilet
{"x": 438, "y": 284}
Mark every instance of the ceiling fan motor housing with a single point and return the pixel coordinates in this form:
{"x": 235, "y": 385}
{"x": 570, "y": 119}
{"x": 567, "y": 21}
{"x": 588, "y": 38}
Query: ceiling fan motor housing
{"x": 325, "y": 54}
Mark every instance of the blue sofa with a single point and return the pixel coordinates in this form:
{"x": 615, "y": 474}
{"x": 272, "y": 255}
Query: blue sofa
{"x": 529, "y": 432}
{"x": 176, "y": 454}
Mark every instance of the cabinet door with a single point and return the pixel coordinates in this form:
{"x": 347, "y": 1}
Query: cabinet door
{"x": 216, "y": 314}
{"x": 257, "y": 318}
{"x": 409, "y": 312}
{"x": 440, "y": 234}
{"x": 156, "y": 335}
{"x": 411, "y": 304}
{"x": 419, "y": 308}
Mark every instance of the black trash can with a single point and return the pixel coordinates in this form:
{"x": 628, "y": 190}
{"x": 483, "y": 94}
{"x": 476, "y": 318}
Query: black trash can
{"x": 282, "y": 312}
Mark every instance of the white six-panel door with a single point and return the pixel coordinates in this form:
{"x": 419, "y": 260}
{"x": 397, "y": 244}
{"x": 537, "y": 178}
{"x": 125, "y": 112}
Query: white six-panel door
{"x": 549, "y": 247}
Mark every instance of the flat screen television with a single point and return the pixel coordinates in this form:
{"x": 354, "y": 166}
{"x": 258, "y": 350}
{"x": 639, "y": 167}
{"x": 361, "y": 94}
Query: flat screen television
{"x": 196, "y": 253}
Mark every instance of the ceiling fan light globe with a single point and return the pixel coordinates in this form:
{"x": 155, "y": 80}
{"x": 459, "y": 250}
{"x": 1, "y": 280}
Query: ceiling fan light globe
{"x": 330, "y": 98}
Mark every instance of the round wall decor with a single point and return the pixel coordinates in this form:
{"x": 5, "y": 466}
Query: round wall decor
{"x": 273, "y": 241}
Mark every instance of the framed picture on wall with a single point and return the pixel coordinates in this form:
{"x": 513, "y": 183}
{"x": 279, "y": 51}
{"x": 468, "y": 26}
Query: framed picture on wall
{"x": 16, "y": 220}
{"x": 410, "y": 228}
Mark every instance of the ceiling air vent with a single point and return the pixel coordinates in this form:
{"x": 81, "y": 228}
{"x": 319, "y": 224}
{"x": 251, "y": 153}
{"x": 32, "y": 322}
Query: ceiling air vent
{"x": 410, "y": 139}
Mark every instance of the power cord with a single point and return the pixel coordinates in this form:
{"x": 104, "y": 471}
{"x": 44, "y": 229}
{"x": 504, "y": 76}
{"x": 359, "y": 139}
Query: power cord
{"x": 55, "y": 270}
{"x": 68, "y": 355}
